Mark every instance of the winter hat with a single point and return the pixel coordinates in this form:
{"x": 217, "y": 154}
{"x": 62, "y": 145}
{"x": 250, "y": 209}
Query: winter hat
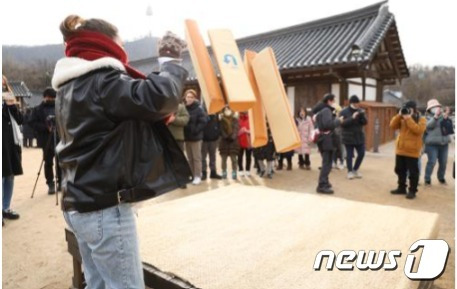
{"x": 432, "y": 103}
{"x": 354, "y": 99}
{"x": 49, "y": 92}
{"x": 171, "y": 45}
{"x": 411, "y": 104}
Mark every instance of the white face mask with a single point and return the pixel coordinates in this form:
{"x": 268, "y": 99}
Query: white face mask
{"x": 228, "y": 112}
{"x": 353, "y": 106}
{"x": 433, "y": 110}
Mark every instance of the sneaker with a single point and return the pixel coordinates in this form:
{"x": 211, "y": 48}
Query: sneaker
{"x": 241, "y": 173}
{"x": 196, "y": 181}
{"x": 341, "y": 166}
{"x": 204, "y": 176}
{"x": 215, "y": 176}
{"x": 10, "y": 214}
{"x": 443, "y": 182}
{"x": 247, "y": 174}
{"x": 357, "y": 175}
{"x": 183, "y": 186}
{"x": 335, "y": 166}
{"x": 351, "y": 176}
{"x": 261, "y": 174}
{"x": 410, "y": 195}
{"x": 224, "y": 175}
{"x": 51, "y": 189}
{"x": 327, "y": 191}
{"x": 270, "y": 175}
{"x": 398, "y": 191}
{"x": 234, "y": 175}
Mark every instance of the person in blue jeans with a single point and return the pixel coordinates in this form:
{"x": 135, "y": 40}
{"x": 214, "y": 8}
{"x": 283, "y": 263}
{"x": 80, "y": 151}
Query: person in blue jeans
{"x": 354, "y": 120}
{"x": 115, "y": 148}
{"x": 11, "y": 152}
{"x": 437, "y": 138}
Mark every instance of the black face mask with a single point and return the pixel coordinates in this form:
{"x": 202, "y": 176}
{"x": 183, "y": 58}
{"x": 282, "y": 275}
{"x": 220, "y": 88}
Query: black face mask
{"x": 49, "y": 102}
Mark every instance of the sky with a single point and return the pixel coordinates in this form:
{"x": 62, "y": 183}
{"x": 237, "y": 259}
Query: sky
{"x": 426, "y": 28}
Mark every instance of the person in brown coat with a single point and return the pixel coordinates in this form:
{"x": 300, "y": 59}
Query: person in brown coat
{"x": 408, "y": 147}
{"x": 228, "y": 145}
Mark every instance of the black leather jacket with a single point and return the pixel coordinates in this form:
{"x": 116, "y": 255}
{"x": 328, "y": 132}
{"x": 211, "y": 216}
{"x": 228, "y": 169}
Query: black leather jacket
{"x": 114, "y": 142}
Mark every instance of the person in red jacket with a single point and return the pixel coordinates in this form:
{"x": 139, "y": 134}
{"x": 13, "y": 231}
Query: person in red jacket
{"x": 244, "y": 138}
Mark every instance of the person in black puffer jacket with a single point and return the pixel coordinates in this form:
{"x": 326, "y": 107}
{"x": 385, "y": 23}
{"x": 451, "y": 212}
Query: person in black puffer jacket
{"x": 193, "y": 133}
{"x": 326, "y": 123}
{"x": 353, "y": 136}
{"x": 211, "y": 135}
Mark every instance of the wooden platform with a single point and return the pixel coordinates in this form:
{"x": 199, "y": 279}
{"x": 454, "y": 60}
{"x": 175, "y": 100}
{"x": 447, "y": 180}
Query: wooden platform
{"x": 253, "y": 237}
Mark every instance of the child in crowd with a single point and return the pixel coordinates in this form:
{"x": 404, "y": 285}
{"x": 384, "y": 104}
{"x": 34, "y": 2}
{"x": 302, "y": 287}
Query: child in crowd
{"x": 228, "y": 145}
{"x": 305, "y": 126}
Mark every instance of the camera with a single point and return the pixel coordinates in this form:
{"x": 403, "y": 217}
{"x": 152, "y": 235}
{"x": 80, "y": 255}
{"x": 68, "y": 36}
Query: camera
{"x": 405, "y": 110}
{"x": 51, "y": 120}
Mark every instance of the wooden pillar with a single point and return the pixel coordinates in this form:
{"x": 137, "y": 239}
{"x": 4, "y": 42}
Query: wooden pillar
{"x": 343, "y": 92}
{"x": 379, "y": 90}
{"x": 364, "y": 85}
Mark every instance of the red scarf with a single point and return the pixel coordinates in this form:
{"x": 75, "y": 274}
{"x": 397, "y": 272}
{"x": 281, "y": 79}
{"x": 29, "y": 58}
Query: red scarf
{"x": 90, "y": 45}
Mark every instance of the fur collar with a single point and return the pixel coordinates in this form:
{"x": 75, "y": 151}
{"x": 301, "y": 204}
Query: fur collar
{"x": 72, "y": 67}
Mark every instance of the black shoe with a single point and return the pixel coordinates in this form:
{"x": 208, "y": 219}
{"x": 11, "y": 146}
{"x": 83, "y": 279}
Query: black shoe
{"x": 410, "y": 195}
{"x": 215, "y": 176}
{"x": 443, "y": 182}
{"x": 261, "y": 174}
{"x": 398, "y": 191}
{"x": 427, "y": 183}
{"x": 51, "y": 189}
{"x": 10, "y": 214}
{"x": 279, "y": 167}
{"x": 326, "y": 190}
{"x": 183, "y": 186}
{"x": 59, "y": 188}
{"x": 204, "y": 175}
{"x": 289, "y": 167}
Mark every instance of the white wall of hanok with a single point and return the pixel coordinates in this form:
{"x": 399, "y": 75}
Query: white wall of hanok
{"x": 291, "y": 97}
{"x": 336, "y": 91}
{"x": 357, "y": 89}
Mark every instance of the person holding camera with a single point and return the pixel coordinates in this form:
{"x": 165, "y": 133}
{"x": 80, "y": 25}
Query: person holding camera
{"x": 42, "y": 121}
{"x": 437, "y": 138}
{"x": 115, "y": 147}
{"x": 408, "y": 147}
{"x": 353, "y": 136}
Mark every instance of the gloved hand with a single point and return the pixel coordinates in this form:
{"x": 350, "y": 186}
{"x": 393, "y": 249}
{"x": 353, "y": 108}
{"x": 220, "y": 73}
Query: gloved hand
{"x": 171, "y": 45}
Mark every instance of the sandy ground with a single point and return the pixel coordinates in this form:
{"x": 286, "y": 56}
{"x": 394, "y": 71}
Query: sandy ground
{"x": 34, "y": 247}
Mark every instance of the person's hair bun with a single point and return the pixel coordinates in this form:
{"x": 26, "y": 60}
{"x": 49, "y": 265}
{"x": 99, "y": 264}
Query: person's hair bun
{"x": 70, "y": 25}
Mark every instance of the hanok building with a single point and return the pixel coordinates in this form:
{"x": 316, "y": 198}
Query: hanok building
{"x": 352, "y": 53}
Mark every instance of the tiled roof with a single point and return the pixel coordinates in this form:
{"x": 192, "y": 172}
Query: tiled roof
{"x": 19, "y": 89}
{"x": 347, "y": 39}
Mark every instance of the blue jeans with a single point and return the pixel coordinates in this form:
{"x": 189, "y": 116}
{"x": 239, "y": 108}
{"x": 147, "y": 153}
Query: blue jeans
{"x": 350, "y": 155}
{"x": 434, "y": 153}
{"x": 108, "y": 245}
{"x": 8, "y": 185}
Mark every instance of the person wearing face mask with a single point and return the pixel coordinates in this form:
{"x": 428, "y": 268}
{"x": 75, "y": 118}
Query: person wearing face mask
{"x": 326, "y": 123}
{"x": 437, "y": 138}
{"x": 229, "y": 145}
{"x": 42, "y": 121}
{"x": 408, "y": 148}
{"x": 353, "y": 136}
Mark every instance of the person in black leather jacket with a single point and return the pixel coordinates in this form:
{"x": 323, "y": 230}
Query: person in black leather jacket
{"x": 326, "y": 123}
{"x": 115, "y": 148}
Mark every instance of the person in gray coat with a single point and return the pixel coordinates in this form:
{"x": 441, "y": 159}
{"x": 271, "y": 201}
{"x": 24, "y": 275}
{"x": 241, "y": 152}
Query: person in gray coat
{"x": 437, "y": 138}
